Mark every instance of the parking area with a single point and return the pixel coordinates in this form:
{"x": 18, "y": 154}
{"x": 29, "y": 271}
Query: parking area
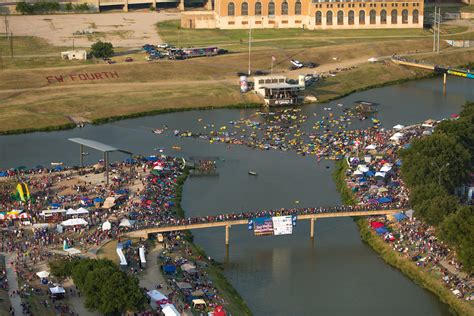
{"x": 121, "y": 29}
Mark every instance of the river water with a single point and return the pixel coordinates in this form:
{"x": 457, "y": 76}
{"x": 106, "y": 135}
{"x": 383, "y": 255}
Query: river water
{"x": 286, "y": 275}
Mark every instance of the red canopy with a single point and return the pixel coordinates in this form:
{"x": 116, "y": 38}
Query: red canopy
{"x": 376, "y": 224}
{"x": 219, "y": 311}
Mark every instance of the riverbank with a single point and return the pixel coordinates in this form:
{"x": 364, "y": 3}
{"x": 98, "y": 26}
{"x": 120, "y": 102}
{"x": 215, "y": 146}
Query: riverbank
{"x": 235, "y": 303}
{"x": 423, "y": 278}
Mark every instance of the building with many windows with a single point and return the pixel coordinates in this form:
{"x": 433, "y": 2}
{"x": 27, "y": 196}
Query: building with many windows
{"x": 308, "y": 14}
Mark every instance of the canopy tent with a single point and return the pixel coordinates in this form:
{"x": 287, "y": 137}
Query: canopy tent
{"x": 376, "y": 224}
{"x": 106, "y": 225}
{"x": 363, "y": 168}
{"x": 189, "y": 268}
{"x": 72, "y": 251}
{"x": 381, "y": 230}
{"x": 184, "y": 285}
{"x": 169, "y": 310}
{"x": 74, "y": 222}
{"x": 399, "y": 216}
{"x": 109, "y": 202}
{"x": 385, "y": 199}
{"x": 79, "y": 211}
{"x": 57, "y": 290}
{"x": 380, "y": 175}
{"x": 398, "y": 127}
{"x": 169, "y": 268}
{"x": 51, "y": 212}
{"x": 156, "y": 295}
{"x": 386, "y": 167}
{"x": 370, "y": 147}
{"x": 219, "y": 311}
{"x": 125, "y": 222}
{"x": 370, "y": 173}
{"x": 42, "y": 274}
{"x": 198, "y": 293}
{"x": 410, "y": 213}
{"x": 199, "y": 301}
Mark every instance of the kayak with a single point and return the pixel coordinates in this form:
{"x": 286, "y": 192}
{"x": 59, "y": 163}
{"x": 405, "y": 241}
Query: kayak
{"x": 252, "y": 173}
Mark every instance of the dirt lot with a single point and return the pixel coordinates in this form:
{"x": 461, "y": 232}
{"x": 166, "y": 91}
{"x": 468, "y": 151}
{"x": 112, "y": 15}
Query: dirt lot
{"x": 121, "y": 29}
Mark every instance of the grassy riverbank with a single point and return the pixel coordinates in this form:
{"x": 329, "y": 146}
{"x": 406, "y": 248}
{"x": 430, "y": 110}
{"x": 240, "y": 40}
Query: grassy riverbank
{"x": 235, "y": 303}
{"x": 425, "y": 278}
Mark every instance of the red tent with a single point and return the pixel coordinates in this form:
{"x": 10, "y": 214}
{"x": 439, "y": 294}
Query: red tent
{"x": 375, "y": 225}
{"x": 219, "y": 311}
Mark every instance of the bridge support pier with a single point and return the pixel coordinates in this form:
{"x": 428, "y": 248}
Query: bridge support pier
{"x": 227, "y": 235}
{"x": 311, "y": 231}
{"x": 445, "y": 78}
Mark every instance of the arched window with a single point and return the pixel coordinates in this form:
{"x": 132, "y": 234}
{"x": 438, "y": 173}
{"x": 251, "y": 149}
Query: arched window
{"x": 351, "y": 17}
{"x": 372, "y": 15}
{"x": 340, "y": 17}
{"x": 231, "y": 9}
{"x": 284, "y": 8}
{"x": 329, "y": 18}
{"x": 383, "y": 17}
{"x": 244, "y": 8}
{"x": 405, "y": 16}
{"x": 319, "y": 18}
{"x": 362, "y": 17}
{"x": 415, "y": 17}
{"x": 271, "y": 8}
{"x": 393, "y": 15}
{"x": 298, "y": 7}
{"x": 258, "y": 8}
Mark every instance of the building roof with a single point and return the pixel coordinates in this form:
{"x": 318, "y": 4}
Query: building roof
{"x": 279, "y": 85}
{"x": 97, "y": 145}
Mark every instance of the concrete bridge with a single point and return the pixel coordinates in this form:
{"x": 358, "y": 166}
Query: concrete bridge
{"x": 143, "y": 233}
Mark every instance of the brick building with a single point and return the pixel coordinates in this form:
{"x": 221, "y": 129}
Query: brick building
{"x": 308, "y": 14}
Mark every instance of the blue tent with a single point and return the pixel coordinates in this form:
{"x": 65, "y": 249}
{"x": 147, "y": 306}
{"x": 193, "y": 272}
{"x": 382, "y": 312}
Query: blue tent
{"x": 386, "y": 199}
{"x": 381, "y": 230}
{"x": 169, "y": 268}
{"x": 362, "y": 180}
{"x": 58, "y": 168}
{"x": 98, "y": 200}
{"x": 3, "y": 174}
{"x": 55, "y": 205}
{"x": 370, "y": 173}
{"x": 399, "y": 216}
{"x": 121, "y": 192}
{"x": 152, "y": 158}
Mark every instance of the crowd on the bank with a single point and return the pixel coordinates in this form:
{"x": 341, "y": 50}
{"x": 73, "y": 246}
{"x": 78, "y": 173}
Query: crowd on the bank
{"x": 373, "y": 176}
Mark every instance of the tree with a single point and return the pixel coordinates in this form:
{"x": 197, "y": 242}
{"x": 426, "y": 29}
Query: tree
{"x": 458, "y": 231}
{"x": 102, "y": 49}
{"x": 438, "y": 159}
{"x": 24, "y": 8}
{"x": 435, "y": 209}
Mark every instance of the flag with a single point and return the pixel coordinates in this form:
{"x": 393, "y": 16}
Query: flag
{"x": 273, "y": 58}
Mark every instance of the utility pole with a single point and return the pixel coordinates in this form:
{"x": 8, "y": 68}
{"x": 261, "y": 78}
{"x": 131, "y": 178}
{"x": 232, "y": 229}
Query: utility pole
{"x": 436, "y": 29}
{"x": 6, "y": 26}
{"x": 439, "y": 26}
{"x": 72, "y": 41}
{"x": 250, "y": 45}
{"x": 11, "y": 44}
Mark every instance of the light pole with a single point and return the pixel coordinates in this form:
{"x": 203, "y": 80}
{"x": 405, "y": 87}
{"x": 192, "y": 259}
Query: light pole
{"x": 250, "y": 44}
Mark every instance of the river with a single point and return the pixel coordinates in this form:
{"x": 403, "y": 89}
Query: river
{"x": 286, "y": 275}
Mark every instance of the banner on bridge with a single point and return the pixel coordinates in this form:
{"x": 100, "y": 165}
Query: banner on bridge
{"x": 263, "y": 226}
{"x": 282, "y": 225}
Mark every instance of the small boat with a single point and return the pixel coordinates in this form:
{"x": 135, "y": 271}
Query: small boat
{"x": 176, "y": 148}
{"x": 158, "y": 131}
{"x": 252, "y": 173}
{"x": 57, "y": 163}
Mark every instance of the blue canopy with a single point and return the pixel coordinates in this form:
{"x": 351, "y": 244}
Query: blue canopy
{"x": 152, "y": 158}
{"x": 121, "y": 192}
{"x": 169, "y": 268}
{"x": 381, "y": 230}
{"x": 3, "y": 174}
{"x": 58, "y": 168}
{"x": 98, "y": 200}
{"x": 399, "y": 216}
{"x": 362, "y": 180}
{"x": 370, "y": 173}
{"x": 55, "y": 205}
{"x": 386, "y": 199}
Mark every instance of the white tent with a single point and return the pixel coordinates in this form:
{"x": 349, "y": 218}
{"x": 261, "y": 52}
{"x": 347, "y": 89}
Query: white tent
{"x": 363, "y": 168}
{"x": 72, "y": 251}
{"x": 156, "y": 295}
{"x": 169, "y": 310}
{"x": 125, "y": 222}
{"x": 370, "y": 147}
{"x": 188, "y": 267}
{"x": 380, "y": 174}
{"x": 409, "y": 213}
{"x": 42, "y": 274}
{"x": 396, "y": 136}
{"x": 106, "y": 225}
{"x": 387, "y": 167}
{"x": 79, "y": 211}
{"x": 372, "y": 60}
{"x": 74, "y": 222}
{"x": 358, "y": 173}
{"x": 57, "y": 290}
{"x": 398, "y": 127}
{"x": 51, "y": 212}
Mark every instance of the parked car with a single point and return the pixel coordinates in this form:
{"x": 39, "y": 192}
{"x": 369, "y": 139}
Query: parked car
{"x": 260, "y": 73}
{"x": 163, "y": 45}
{"x": 296, "y": 63}
{"x": 310, "y": 65}
{"x": 128, "y": 59}
{"x": 222, "y": 51}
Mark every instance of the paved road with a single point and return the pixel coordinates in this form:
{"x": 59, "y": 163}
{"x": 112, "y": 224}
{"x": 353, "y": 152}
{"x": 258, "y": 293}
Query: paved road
{"x": 13, "y": 284}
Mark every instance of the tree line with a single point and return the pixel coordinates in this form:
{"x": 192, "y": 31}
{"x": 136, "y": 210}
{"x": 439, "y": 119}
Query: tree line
{"x": 105, "y": 287}
{"x": 433, "y": 168}
{"x": 49, "y": 7}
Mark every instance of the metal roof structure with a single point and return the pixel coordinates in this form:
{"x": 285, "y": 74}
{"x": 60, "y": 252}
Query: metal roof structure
{"x": 97, "y": 145}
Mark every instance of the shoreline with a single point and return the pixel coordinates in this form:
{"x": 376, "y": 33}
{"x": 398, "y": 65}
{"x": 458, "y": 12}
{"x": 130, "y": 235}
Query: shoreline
{"x": 214, "y": 269}
{"x": 386, "y": 253}
{"x": 114, "y": 118}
